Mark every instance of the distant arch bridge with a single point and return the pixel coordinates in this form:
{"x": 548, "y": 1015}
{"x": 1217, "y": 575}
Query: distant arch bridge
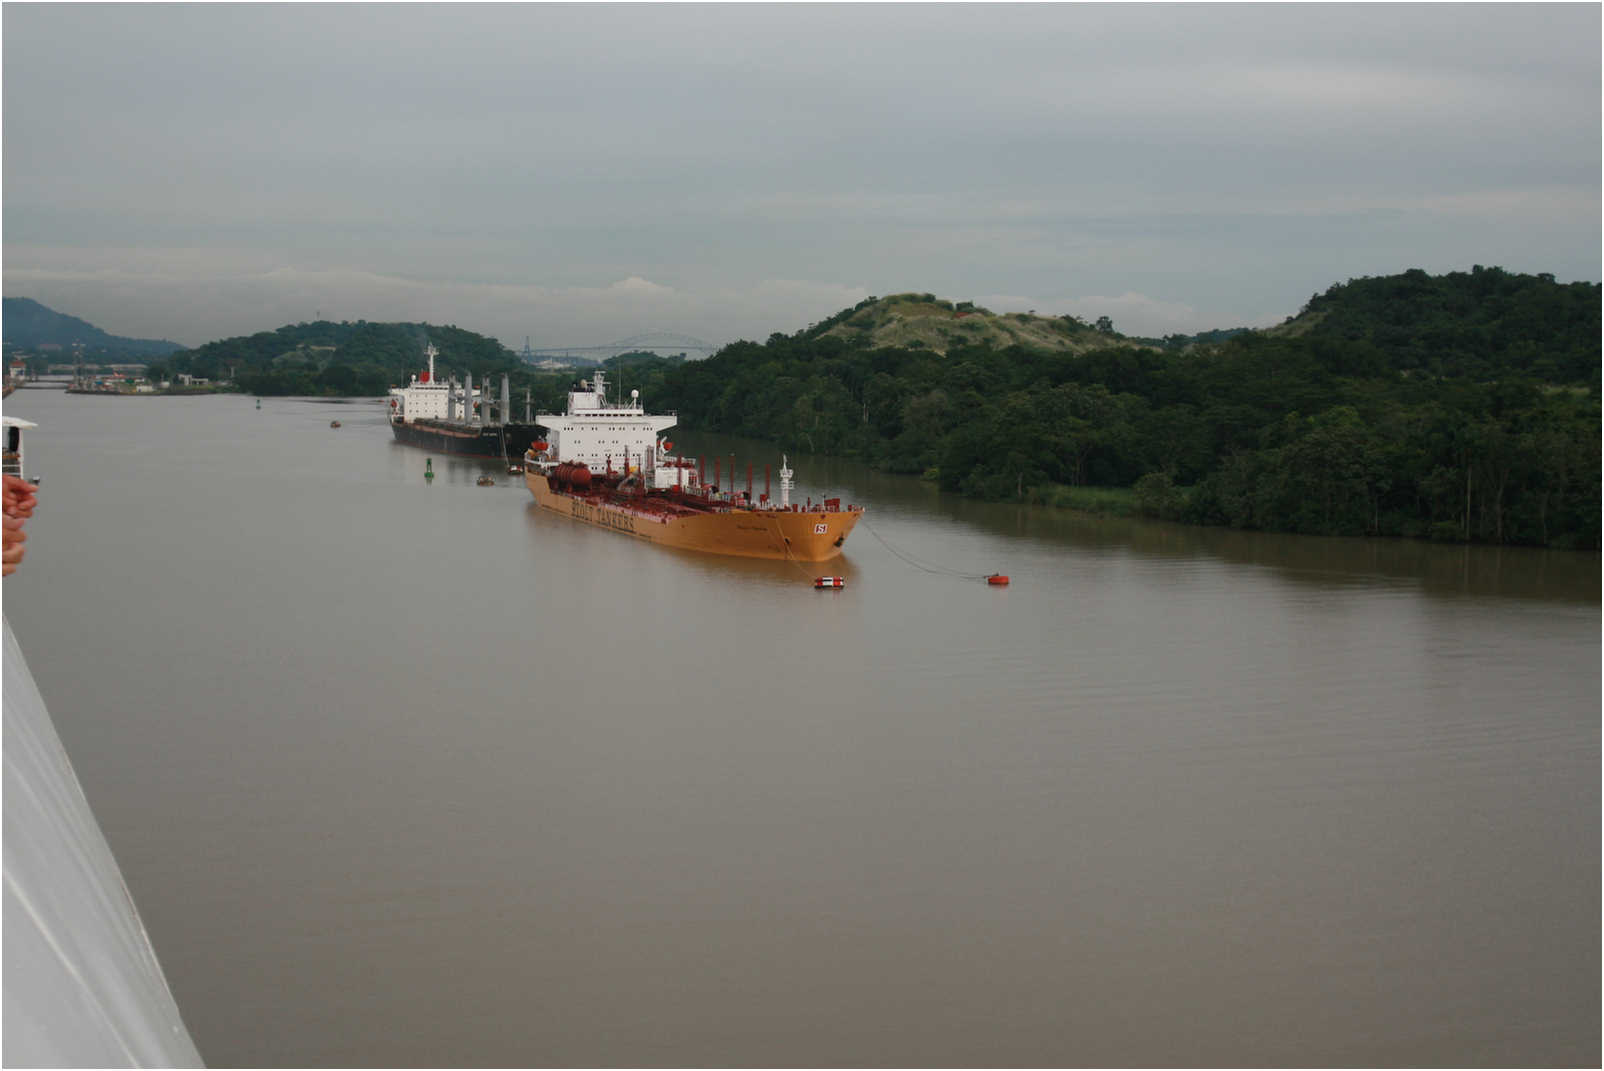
{"x": 664, "y": 343}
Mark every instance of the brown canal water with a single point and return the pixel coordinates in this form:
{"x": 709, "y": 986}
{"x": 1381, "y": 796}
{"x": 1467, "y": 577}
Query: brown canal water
{"x": 405, "y": 774}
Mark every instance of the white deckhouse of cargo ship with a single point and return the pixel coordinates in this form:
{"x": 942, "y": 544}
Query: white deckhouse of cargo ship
{"x": 609, "y": 437}
{"x": 428, "y": 398}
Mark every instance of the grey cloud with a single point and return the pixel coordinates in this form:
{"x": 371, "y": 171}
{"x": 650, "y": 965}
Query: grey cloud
{"x": 1223, "y": 160}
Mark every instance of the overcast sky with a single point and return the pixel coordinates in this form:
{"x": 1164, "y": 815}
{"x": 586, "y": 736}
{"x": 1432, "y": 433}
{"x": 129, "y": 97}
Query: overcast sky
{"x": 582, "y": 174}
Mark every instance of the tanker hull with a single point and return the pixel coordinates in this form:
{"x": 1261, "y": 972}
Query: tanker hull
{"x": 804, "y": 535}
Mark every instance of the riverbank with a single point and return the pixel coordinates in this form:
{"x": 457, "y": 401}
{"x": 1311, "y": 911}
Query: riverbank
{"x": 1098, "y": 501}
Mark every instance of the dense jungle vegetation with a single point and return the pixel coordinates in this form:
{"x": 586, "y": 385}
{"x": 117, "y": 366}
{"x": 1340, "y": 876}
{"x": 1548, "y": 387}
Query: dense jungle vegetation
{"x": 337, "y": 359}
{"x": 1461, "y": 407}
{"x": 1458, "y": 407}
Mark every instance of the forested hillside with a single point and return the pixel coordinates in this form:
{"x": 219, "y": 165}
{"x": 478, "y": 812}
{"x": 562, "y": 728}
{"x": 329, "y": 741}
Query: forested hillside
{"x": 1485, "y": 324}
{"x": 926, "y": 322}
{"x": 28, "y": 324}
{"x": 358, "y": 358}
{"x": 1458, "y": 407}
{"x": 1455, "y": 407}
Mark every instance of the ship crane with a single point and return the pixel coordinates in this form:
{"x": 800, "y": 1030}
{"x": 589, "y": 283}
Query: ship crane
{"x": 785, "y": 481}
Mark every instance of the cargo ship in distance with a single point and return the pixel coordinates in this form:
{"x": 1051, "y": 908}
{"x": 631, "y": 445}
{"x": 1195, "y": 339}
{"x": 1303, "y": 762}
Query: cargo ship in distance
{"x": 605, "y": 464}
{"x": 454, "y": 418}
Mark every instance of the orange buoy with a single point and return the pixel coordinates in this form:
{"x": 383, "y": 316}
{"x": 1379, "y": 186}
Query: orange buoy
{"x": 998, "y": 579}
{"x": 829, "y": 582}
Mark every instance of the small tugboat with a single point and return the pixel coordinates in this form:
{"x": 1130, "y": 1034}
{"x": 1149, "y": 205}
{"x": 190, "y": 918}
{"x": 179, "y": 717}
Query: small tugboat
{"x": 604, "y": 464}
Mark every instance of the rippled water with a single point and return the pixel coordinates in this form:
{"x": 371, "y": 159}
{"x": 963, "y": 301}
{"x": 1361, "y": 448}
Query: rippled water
{"x": 404, "y": 774}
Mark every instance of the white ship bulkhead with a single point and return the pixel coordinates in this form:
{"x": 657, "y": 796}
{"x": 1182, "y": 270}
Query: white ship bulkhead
{"x": 601, "y": 436}
{"x": 430, "y": 399}
{"x": 423, "y": 401}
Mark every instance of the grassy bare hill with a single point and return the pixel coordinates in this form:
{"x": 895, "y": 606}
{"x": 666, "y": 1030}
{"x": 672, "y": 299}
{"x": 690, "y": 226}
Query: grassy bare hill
{"x": 922, "y": 321}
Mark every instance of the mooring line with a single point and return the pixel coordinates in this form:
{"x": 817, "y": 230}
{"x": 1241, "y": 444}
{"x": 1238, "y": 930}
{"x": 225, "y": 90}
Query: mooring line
{"x": 936, "y": 569}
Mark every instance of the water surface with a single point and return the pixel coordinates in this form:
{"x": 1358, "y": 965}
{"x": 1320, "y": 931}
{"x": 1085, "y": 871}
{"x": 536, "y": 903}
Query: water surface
{"x": 405, "y": 774}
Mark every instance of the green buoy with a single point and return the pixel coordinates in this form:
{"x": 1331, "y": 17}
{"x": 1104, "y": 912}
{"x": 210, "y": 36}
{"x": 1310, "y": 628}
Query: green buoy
{"x": 428, "y": 468}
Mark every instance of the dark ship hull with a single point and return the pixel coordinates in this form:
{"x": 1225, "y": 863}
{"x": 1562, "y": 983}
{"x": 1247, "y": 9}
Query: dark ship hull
{"x": 469, "y": 440}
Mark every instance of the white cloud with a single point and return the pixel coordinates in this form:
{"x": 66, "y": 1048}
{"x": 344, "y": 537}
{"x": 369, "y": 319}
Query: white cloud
{"x": 581, "y": 174}
{"x": 635, "y": 285}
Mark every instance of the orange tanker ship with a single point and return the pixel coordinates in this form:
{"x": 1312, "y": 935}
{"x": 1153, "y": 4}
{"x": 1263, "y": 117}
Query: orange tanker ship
{"x": 604, "y": 464}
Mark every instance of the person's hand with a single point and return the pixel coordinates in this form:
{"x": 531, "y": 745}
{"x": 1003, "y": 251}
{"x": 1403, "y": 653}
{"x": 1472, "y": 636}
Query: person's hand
{"x": 15, "y": 537}
{"x": 19, "y": 497}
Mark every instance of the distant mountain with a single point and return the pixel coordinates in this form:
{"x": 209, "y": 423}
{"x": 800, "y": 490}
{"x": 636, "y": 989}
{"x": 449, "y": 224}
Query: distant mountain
{"x": 29, "y": 325}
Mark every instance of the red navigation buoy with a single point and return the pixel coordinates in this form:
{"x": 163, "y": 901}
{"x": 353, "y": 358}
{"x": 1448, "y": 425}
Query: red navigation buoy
{"x": 998, "y": 579}
{"x": 829, "y": 582}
